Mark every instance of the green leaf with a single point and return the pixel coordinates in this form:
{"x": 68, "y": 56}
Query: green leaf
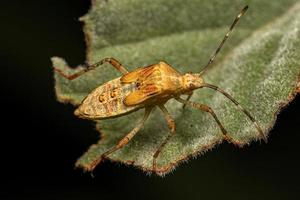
{"x": 259, "y": 67}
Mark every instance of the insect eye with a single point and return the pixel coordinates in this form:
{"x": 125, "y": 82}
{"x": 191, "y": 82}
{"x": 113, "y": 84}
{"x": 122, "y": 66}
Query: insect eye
{"x": 138, "y": 84}
{"x": 192, "y": 85}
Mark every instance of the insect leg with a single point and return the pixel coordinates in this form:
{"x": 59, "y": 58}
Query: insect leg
{"x": 123, "y": 141}
{"x": 208, "y": 109}
{"x": 116, "y": 64}
{"x": 239, "y": 107}
{"x": 188, "y": 98}
{"x": 211, "y": 60}
{"x": 171, "y": 125}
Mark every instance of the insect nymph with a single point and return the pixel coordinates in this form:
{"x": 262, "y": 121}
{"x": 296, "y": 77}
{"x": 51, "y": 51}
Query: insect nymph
{"x": 146, "y": 88}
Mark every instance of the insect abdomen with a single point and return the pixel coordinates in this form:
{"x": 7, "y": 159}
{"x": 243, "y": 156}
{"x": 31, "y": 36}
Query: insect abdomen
{"x": 107, "y": 101}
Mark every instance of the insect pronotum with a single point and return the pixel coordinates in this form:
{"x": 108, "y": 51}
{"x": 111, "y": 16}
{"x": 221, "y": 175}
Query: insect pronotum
{"x": 147, "y": 87}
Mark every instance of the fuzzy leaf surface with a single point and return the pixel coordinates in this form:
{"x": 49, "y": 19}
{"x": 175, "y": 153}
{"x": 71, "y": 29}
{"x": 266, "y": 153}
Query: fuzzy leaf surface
{"x": 259, "y": 66}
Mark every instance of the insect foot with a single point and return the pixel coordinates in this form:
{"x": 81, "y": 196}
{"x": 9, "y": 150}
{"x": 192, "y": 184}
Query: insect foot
{"x": 158, "y": 151}
{"x": 91, "y": 167}
{"x": 154, "y": 163}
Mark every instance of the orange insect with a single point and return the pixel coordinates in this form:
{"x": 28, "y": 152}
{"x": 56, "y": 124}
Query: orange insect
{"x": 147, "y": 87}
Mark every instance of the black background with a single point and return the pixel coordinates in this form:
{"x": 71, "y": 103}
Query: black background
{"x": 41, "y": 139}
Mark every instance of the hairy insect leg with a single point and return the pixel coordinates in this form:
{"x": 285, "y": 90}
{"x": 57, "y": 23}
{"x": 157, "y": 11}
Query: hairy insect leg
{"x": 208, "y": 109}
{"x": 171, "y": 125}
{"x": 124, "y": 140}
{"x": 211, "y": 60}
{"x": 262, "y": 135}
{"x": 116, "y": 64}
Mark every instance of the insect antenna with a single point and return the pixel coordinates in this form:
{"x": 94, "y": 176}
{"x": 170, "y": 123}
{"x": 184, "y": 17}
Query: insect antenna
{"x": 211, "y": 60}
{"x": 239, "y": 106}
